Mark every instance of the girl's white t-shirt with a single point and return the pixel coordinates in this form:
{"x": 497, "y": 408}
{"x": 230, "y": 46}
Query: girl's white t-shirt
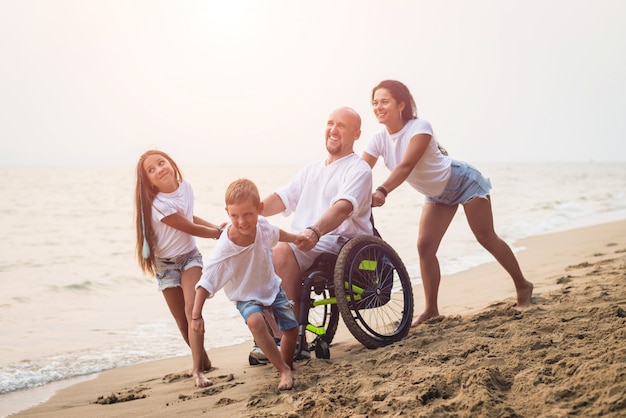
{"x": 172, "y": 242}
{"x": 431, "y": 173}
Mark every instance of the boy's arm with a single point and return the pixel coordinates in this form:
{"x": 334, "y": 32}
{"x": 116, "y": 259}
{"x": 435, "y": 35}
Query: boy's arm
{"x": 197, "y": 322}
{"x": 285, "y": 236}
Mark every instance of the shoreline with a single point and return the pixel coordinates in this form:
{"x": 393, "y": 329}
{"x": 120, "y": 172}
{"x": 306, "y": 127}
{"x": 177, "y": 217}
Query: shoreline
{"x": 544, "y": 260}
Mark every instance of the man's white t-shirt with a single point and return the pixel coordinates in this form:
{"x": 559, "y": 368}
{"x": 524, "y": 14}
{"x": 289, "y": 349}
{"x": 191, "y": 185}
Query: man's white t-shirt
{"x": 318, "y": 186}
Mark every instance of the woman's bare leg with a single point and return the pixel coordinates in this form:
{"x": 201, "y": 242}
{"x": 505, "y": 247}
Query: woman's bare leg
{"x": 480, "y": 218}
{"x": 434, "y": 223}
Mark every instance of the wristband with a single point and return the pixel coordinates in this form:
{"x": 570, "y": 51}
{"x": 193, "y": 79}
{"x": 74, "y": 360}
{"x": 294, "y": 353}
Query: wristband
{"x": 315, "y": 231}
{"x": 383, "y": 190}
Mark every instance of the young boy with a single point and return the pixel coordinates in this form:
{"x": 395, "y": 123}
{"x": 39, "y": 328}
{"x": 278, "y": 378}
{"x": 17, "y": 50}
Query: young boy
{"x": 241, "y": 263}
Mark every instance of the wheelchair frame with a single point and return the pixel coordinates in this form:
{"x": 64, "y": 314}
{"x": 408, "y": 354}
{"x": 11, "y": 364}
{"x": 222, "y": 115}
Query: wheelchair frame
{"x": 367, "y": 285}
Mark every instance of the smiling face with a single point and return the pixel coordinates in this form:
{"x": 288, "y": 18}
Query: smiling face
{"x": 160, "y": 173}
{"x": 342, "y": 129}
{"x": 387, "y": 110}
{"x": 244, "y": 216}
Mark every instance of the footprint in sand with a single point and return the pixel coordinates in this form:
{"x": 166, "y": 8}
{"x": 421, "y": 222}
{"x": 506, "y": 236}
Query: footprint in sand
{"x": 123, "y": 396}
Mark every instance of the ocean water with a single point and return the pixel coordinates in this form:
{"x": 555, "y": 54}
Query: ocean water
{"x": 73, "y": 301}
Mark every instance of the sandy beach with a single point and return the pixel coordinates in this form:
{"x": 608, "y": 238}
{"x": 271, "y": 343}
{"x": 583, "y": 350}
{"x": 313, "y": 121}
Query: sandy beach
{"x": 563, "y": 356}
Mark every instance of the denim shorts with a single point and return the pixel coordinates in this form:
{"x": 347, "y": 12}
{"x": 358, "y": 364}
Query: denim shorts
{"x": 327, "y": 244}
{"x": 464, "y": 184}
{"x": 281, "y": 308}
{"x": 169, "y": 270}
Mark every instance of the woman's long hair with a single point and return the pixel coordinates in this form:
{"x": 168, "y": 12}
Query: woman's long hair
{"x": 401, "y": 94}
{"x": 145, "y": 193}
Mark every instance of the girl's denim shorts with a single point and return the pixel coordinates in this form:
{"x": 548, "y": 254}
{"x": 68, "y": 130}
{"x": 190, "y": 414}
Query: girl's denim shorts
{"x": 169, "y": 270}
{"x": 465, "y": 183}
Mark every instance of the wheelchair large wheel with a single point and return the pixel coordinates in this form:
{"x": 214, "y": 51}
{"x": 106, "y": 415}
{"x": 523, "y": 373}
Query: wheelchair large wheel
{"x": 373, "y": 289}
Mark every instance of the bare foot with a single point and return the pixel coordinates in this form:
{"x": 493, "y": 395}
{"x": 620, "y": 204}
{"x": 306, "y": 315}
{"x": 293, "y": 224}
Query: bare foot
{"x": 286, "y": 381}
{"x": 425, "y": 316}
{"x": 202, "y": 381}
{"x": 524, "y": 296}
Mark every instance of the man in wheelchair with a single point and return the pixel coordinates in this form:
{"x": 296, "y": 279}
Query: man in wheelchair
{"x": 330, "y": 201}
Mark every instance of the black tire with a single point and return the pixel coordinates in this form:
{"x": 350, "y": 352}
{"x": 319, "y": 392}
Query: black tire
{"x": 373, "y": 289}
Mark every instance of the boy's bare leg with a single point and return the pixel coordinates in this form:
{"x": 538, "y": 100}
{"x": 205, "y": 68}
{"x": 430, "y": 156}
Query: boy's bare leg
{"x": 265, "y": 341}
{"x": 288, "y": 345}
{"x": 271, "y": 323}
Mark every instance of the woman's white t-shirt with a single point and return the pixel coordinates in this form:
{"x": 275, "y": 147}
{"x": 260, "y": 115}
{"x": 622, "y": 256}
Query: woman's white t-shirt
{"x": 431, "y": 173}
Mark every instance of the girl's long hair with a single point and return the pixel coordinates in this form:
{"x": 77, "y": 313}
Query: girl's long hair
{"x": 401, "y": 94}
{"x": 145, "y": 193}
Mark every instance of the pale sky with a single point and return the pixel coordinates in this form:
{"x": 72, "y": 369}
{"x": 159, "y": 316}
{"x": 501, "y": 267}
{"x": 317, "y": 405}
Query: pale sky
{"x": 100, "y": 81}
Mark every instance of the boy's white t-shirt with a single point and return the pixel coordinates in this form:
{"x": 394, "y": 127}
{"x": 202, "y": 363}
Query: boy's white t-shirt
{"x": 245, "y": 273}
{"x": 431, "y": 173}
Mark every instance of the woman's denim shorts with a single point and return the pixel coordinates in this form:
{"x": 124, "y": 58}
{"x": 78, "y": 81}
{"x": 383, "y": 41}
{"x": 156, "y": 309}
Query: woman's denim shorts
{"x": 464, "y": 184}
{"x": 281, "y": 308}
{"x": 169, "y": 270}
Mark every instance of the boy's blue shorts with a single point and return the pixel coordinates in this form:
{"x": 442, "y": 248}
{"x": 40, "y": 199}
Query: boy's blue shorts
{"x": 281, "y": 308}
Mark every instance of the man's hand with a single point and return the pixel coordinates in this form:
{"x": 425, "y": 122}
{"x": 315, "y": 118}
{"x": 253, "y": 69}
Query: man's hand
{"x": 307, "y": 239}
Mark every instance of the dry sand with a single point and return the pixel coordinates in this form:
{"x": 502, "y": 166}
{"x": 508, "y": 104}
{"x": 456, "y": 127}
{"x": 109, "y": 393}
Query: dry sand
{"x": 563, "y": 356}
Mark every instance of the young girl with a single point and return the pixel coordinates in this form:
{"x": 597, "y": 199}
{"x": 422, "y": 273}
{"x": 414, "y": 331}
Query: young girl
{"x": 410, "y": 151}
{"x": 166, "y": 246}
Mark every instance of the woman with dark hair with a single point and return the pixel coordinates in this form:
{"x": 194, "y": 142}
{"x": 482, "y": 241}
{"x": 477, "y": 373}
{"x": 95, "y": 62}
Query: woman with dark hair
{"x": 412, "y": 154}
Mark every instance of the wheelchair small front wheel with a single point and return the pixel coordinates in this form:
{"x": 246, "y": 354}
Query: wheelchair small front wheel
{"x": 373, "y": 290}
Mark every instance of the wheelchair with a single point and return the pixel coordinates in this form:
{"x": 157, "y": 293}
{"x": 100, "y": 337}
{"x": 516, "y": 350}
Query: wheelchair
{"x": 367, "y": 285}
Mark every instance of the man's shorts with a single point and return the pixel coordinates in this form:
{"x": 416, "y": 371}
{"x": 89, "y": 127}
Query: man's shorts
{"x": 327, "y": 244}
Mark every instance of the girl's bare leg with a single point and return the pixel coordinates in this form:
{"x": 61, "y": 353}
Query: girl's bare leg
{"x": 189, "y": 279}
{"x": 480, "y": 218}
{"x": 176, "y": 303}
